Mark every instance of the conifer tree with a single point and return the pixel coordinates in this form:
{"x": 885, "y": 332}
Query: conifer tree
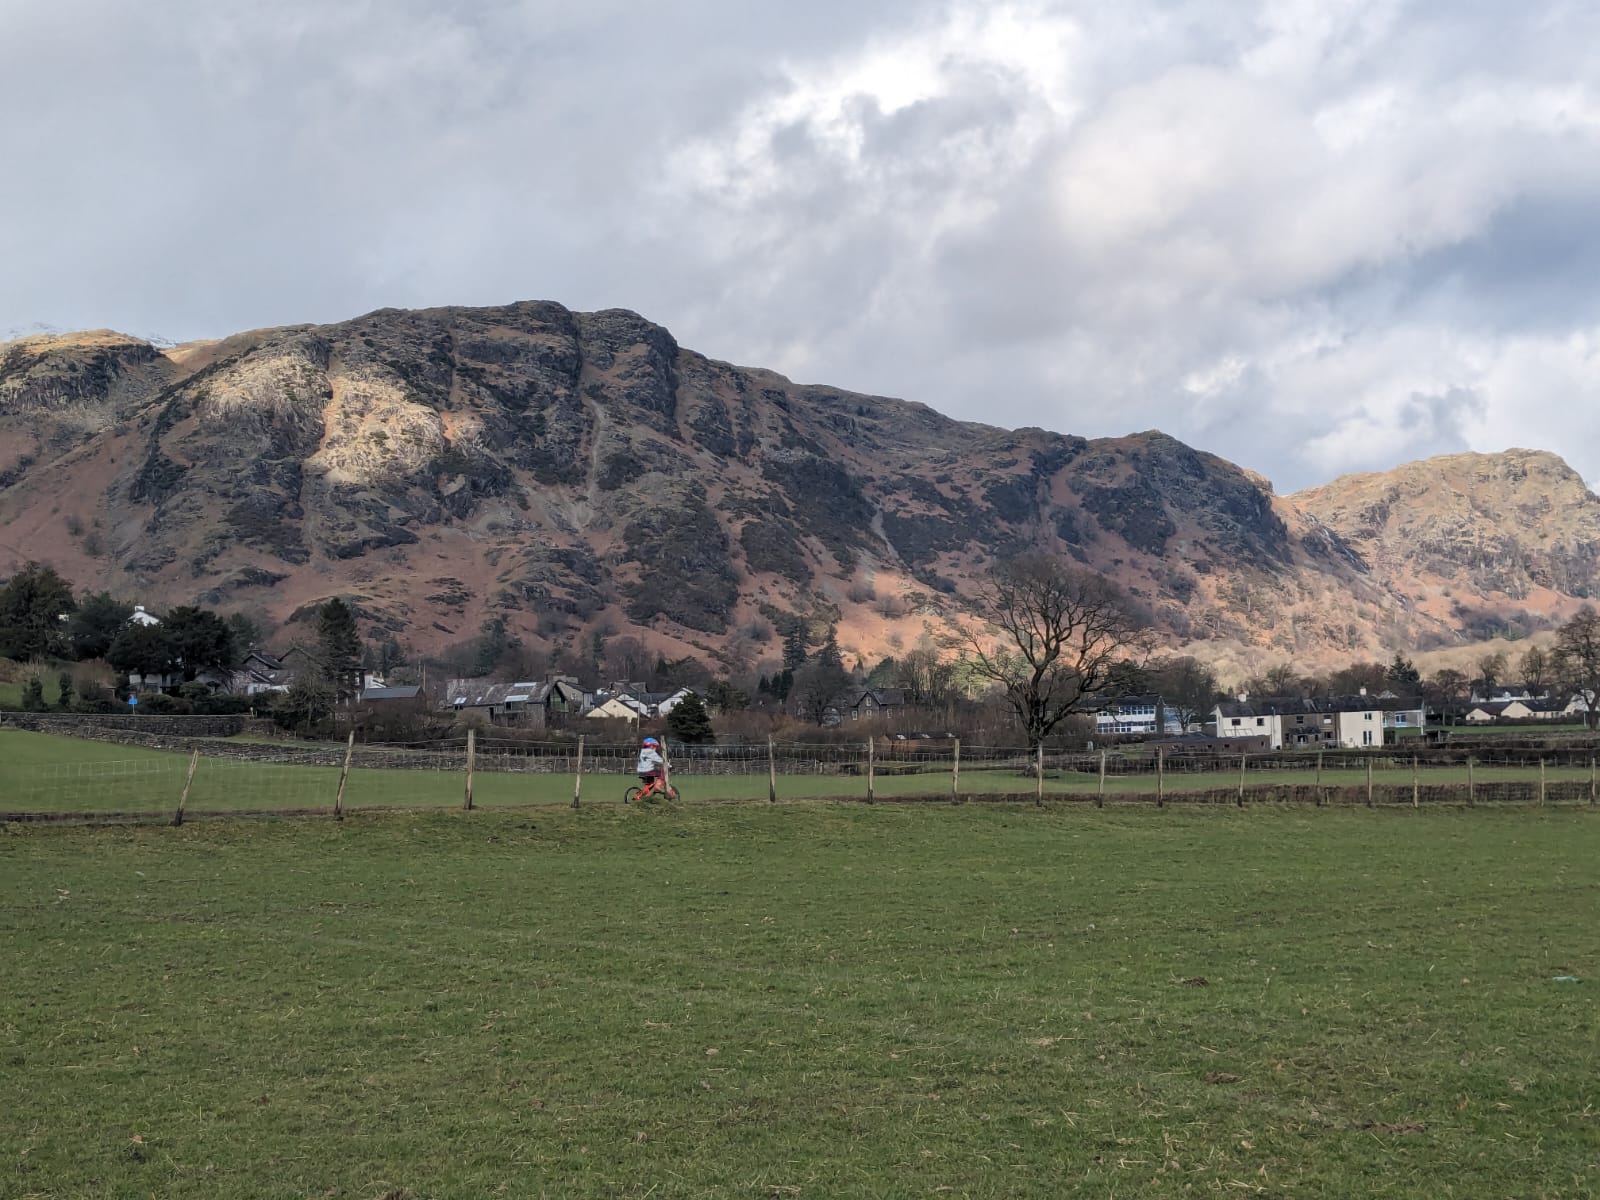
{"x": 689, "y": 722}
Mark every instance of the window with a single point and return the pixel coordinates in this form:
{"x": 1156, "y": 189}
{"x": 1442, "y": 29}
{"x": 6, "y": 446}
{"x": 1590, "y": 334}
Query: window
{"x": 1366, "y": 716}
{"x": 1235, "y": 722}
{"x": 1261, "y": 721}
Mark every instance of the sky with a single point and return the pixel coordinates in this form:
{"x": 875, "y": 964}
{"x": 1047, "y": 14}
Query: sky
{"x": 1312, "y": 236}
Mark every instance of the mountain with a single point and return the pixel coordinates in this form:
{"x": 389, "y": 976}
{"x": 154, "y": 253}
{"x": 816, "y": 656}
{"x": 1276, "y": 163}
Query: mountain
{"x": 1483, "y": 543}
{"x": 578, "y": 471}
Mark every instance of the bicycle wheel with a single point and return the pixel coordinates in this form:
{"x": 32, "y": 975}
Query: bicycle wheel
{"x": 632, "y": 794}
{"x": 673, "y": 794}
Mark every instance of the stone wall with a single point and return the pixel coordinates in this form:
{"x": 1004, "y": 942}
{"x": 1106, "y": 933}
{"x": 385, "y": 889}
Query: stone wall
{"x": 92, "y": 725}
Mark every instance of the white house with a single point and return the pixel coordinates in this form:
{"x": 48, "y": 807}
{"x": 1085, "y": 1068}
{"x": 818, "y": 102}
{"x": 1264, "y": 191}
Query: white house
{"x": 618, "y": 708}
{"x": 1347, "y": 722}
{"x": 141, "y": 617}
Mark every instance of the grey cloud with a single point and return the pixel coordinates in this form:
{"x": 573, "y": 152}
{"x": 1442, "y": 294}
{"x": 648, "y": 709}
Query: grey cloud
{"x": 1310, "y": 237}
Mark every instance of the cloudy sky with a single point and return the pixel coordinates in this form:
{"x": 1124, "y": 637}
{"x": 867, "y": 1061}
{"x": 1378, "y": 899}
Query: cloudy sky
{"x": 1314, "y": 236}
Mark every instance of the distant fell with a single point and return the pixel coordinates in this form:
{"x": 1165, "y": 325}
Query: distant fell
{"x": 579, "y": 472}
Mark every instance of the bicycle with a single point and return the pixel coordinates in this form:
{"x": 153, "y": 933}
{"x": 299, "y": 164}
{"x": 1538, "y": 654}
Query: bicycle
{"x": 651, "y": 791}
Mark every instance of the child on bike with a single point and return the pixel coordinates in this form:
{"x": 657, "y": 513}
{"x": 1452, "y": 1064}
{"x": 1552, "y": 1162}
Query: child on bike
{"x": 651, "y": 767}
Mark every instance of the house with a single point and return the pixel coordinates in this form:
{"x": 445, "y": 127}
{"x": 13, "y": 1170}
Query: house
{"x": 864, "y": 704}
{"x": 141, "y": 617}
{"x": 260, "y": 672}
{"x": 618, "y": 708}
{"x": 1403, "y": 712}
{"x": 502, "y": 703}
{"x": 409, "y": 694}
{"x": 1145, "y": 715}
{"x": 1504, "y": 710}
{"x": 1347, "y": 722}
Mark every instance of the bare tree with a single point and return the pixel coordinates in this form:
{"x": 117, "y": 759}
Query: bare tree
{"x": 1491, "y": 670}
{"x": 928, "y": 680}
{"x": 1576, "y": 661}
{"x": 1187, "y": 687}
{"x": 1062, "y": 629}
{"x": 1535, "y": 670}
{"x": 1448, "y": 689}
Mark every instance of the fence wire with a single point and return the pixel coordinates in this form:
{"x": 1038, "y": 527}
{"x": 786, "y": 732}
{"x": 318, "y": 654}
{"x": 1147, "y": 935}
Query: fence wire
{"x": 232, "y": 777}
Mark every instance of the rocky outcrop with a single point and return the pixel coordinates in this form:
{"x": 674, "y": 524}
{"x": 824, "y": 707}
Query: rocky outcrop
{"x": 1469, "y": 536}
{"x": 569, "y": 472}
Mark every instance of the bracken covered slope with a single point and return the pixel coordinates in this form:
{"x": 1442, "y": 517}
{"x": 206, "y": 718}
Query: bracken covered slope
{"x": 570, "y": 470}
{"x": 1472, "y": 538}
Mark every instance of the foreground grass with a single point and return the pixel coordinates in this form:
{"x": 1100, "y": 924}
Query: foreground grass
{"x": 823, "y": 1001}
{"x": 42, "y": 773}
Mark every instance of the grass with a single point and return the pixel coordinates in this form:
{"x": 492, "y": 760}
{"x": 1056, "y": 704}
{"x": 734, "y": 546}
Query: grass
{"x": 804, "y": 1001}
{"x": 43, "y": 773}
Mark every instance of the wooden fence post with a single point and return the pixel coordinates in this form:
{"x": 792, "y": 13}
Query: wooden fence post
{"x": 1591, "y": 779}
{"x": 1472, "y": 786}
{"x": 1321, "y": 795}
{"x": 1369, "y": 781}
{"x": 1242, "y": 758}
{"x": 577, "y": 779}
{"x": 870, "y": 766}
{"x": 194, "y": 761}
{"x": 1541, "y": 783}
{"x": 955, "y": 775}
{"x": 1161, "y": 777}
{"x": 1414, "y": 782}
{"x": 1038, "y": 798}
{"x": 1100, "y": 796}
{"x": 472, "y": 754}
{"x": 772, "y": 774}
{"x": 344, "y": 776}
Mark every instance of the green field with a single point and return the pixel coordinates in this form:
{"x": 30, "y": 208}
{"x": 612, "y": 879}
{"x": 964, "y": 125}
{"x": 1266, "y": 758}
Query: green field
{"x": 40, "y": 773}
{"x": 816, "y": 1000}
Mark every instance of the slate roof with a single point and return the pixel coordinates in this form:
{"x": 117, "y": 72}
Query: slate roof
{"x": 408, "y": 692}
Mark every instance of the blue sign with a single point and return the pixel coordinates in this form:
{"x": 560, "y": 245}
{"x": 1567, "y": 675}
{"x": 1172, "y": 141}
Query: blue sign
{"x": 133, "y": 702}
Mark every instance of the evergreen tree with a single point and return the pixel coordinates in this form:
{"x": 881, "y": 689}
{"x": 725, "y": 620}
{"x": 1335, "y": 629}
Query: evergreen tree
{"x": 32, "y": 604}
{"x": 307, "y": 704}
{"x": 493, "y": 645}
{"x": 141, "y": 650}
{"x": 33, "y": 696}
{"x": 95, "y": 625}
{"x": 829, "y": 656}
{"x": 689, "y": 722}
{"x": 64, "y": 690}
{"x": 198, "y": 640}
{"x": 724, "y": 697}
{"x": 340, "y": 647}
{"x": 1403, "y": 673}
{"x": 247, "y": 632}
{"x": 794, "y": 643}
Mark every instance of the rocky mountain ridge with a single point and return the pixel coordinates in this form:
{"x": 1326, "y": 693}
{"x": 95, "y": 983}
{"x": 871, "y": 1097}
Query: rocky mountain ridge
{"x": 574, "y": 471}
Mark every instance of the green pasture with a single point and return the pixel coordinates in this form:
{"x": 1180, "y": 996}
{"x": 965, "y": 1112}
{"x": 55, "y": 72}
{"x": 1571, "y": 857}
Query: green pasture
{"x": 43, "y": 773}
{"x": 818, "y": 1000}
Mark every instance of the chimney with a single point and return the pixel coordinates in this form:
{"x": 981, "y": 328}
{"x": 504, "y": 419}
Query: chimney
{"x": 1363, "y": 691}
{"x": 1244, "y": 697}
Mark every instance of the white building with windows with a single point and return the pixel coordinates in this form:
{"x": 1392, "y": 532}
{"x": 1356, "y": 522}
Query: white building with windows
{"x": 1345, "y": 722}
{"x": 1144, "y": 716}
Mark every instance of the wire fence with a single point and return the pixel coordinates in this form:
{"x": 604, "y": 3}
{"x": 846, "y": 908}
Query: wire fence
{"x": 183, "y": 779}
